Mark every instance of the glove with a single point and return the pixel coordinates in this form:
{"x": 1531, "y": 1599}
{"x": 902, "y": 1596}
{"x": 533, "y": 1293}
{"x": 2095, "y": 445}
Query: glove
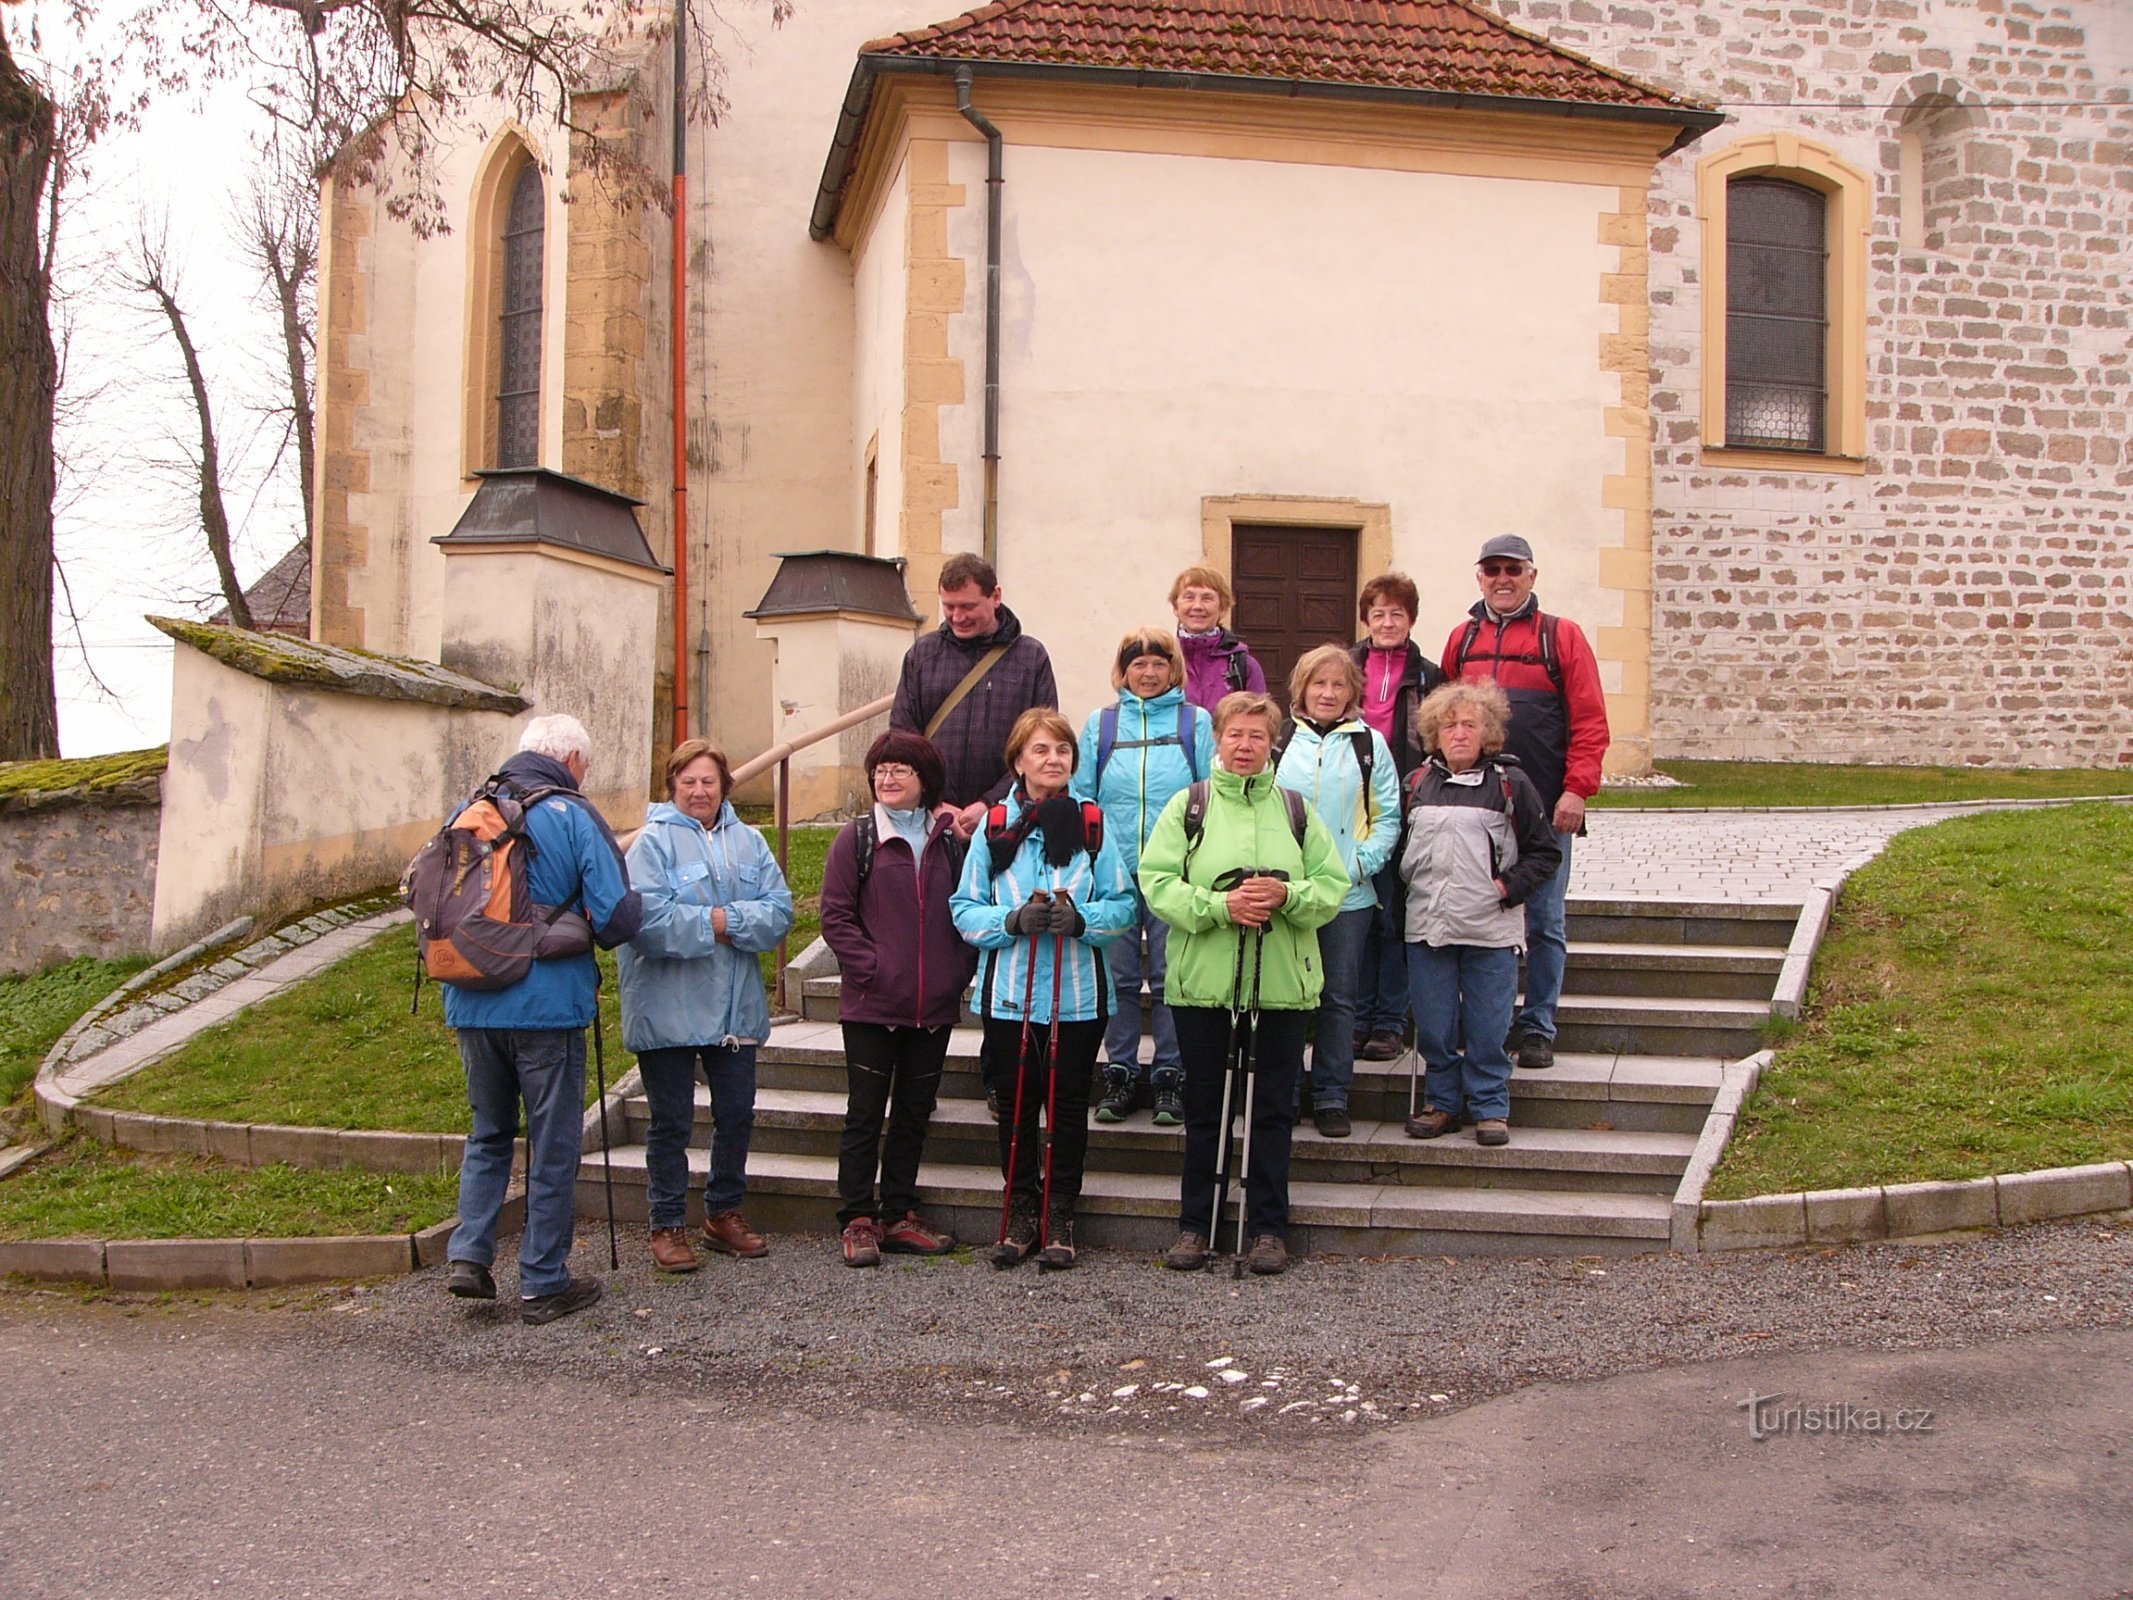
{"x": 1032, "y": 917}
{"x": 1065, "y": 918}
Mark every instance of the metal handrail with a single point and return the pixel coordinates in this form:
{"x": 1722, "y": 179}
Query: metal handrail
{"x": 780, "y": 756}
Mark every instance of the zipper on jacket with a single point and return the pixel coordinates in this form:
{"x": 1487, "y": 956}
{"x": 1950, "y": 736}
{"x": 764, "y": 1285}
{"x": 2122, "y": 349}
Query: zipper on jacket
{"x": 918, "y": 1001}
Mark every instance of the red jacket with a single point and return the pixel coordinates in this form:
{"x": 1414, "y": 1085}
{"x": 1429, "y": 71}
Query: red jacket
{"x": 1559, "y": 737}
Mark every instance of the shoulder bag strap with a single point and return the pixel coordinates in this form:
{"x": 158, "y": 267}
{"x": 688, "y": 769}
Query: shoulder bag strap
{"x": 971, "y": 680}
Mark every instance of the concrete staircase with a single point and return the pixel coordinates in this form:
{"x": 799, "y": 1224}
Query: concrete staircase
{"x": 1657, "y": 997}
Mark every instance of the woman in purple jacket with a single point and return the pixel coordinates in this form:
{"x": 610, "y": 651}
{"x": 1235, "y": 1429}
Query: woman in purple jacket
{"x": 1217, "y": 662}
{"x": 885, "y": 913}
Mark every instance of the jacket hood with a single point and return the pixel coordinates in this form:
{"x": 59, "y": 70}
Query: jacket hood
{"x": 1173, "y": 696}
{"x": 536, "y": 771}
{"x": 666, "y": 814}
{"x": 1243, "y": 786}
{"x": 1006, "y": 629}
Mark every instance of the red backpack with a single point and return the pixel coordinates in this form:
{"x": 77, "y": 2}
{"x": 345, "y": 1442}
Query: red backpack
{"x": 477, "y": 926}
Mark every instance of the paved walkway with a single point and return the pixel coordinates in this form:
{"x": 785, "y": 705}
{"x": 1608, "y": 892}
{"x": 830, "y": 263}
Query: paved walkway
{"x": 1737, "y": 856}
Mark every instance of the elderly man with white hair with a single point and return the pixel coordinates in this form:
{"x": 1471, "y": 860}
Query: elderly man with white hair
{"x": 526, "y": 1043}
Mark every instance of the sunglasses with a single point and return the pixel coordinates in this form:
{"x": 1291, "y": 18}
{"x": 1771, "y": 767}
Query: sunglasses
{"x": 1503, "y": 569}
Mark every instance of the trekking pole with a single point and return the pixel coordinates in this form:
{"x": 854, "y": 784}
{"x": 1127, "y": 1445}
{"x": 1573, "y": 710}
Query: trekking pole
{"x": 1232, "y": 1053}
{"x": 1051, "y": 1092}
{"x": 1250, "y": 1059}
{"x": 607, "y": 1158}
{"x": 1014, "y": 1138}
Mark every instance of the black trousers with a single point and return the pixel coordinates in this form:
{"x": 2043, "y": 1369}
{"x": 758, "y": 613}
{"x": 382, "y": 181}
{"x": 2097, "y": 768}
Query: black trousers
{"x": 1204, "y": 1045}
{"x": 1078, "y": 1043}
{"x": 897, "y": 1072}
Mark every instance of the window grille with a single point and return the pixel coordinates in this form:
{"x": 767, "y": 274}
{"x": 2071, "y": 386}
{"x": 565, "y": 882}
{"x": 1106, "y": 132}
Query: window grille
{"x": 1777, "y": 315}
{"x": 518, "y": 397}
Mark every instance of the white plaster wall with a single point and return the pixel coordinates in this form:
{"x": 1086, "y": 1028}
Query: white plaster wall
{"x": 880, "y": 293}
{"x": 1179, "y": 327}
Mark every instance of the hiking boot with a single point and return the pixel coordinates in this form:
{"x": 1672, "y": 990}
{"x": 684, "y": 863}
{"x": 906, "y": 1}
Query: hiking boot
{"x": 1384, "y": 1045}
{"x": 672, "y": 1252}
{"x": 1492, "y": 1130}
{"x": 729, "y": 1234}
{"x": 862, "y": 1242}
{"x": 1169, "y": 1097}
{"x": 1119, "y": 1095}
{"x": 470, "y": 1280}
{"x": 912, "y": 1235}
{"x": 1189, "y": 1254}
{"x": 1019, "y": 1243}
{"x": 1269, "y": 1256}
{"x": 1058, "y": 1251}
{"x": 1332, "y": 1122}
{"x": 992, "y": 1105}
{"x": 1431, "y": 1124}
{"x": 575, "y": 1295}
{"x": 1535, "y": 1052}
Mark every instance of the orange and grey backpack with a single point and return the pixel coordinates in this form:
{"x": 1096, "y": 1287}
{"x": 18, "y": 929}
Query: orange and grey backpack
{"x": 475, "y": 924}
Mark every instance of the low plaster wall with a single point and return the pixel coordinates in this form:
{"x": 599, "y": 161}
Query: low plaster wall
{"x": 77, "y": 875}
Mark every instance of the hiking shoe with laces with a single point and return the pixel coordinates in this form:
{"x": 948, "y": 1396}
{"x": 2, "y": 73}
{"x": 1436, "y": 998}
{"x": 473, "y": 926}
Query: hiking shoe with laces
{"x": 1384, "y": 1045}
{"x": 1535, "y": 1052}
{"x": 1119, "y": 1095}
{"x": 912, "y": 1235}
{"x": 1269, "y": 1255}
{"x": 672, "y": 1252}
{"x": 1492, "y": 1130}
{"x": 1332, "y": 1122}
{"x": 1169, "y": 1108}
{"x": 1058, "y": 1251}
{"x": 729, "y": 1234}
{"x": 575, "y": 1295}
{"x": 1189, "y": 1254}
{"x": 470, "y": 1280}
{"x": 1020, "y": 1241}
{"x": 862, "y": 1242}
{"x": 992, "y": 1105}
{"x": 1431, "y": 1124}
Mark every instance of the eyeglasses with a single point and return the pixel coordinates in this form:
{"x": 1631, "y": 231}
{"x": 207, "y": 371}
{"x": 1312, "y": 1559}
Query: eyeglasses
{"x": 1503, "y": 569}
{"x": 893, "y": 769}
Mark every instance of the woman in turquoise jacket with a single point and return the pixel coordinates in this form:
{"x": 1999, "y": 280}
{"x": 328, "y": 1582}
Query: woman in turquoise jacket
{"x": 692, "y": 994}
{"x": 1134, "y": 756}
{"x": 1330, "y": 747}
{"x": 1043, "y": 892}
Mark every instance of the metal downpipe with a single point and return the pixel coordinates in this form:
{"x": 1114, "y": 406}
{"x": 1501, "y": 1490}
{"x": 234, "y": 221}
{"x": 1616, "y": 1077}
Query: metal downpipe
{"x": 993, "y": 142}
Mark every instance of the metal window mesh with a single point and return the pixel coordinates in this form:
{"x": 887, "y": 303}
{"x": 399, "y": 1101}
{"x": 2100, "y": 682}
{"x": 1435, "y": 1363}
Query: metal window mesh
{"x": 1777, "y": 323}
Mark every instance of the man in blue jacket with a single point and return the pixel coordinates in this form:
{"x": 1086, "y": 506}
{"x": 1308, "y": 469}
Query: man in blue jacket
{"x": 527, "y": 1042}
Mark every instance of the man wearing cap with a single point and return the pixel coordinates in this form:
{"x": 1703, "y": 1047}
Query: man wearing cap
{"x": 1559, "y": 735}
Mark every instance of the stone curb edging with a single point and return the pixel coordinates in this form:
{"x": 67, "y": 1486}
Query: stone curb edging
{"x": 1872, "y": 810}
{"x": 158, "y": 1264}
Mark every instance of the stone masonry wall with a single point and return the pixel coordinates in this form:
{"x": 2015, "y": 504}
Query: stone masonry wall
{"x": 1968, "y": 598}
{"x": 77, "y": 876}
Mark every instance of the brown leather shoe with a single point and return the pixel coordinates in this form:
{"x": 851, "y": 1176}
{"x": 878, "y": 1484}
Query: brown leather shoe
{"x": 729, "y": 1234}
{"x": 672, "y": 1252}
{"x": 1431, "y": 1124}
{"x": 1269, "y": 1256}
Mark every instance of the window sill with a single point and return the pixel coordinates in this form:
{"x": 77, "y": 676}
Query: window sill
{"x": 1783, "y": 461}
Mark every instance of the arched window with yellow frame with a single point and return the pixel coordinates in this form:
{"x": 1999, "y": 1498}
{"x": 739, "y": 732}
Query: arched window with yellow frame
{"x": 506, "y": 278}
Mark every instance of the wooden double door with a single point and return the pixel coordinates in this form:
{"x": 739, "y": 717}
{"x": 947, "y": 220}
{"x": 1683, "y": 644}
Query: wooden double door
{"x": 1295, "y": 590}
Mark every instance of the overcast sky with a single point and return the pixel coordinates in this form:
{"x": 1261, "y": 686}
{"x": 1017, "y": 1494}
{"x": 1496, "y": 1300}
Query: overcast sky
{"x": 127, "y": 527}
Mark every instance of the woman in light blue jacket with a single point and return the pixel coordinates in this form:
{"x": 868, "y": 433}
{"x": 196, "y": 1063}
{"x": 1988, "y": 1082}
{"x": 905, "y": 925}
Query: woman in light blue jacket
{"x": 692, "y": 993}
{"x": 1134, "y": 756}
{"x": 1328, "y": 751}
{"x": 1042, "y": 893}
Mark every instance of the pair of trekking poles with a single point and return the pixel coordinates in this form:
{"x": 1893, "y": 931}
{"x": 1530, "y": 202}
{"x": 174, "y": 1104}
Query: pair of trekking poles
{"x": 1004, "y": 1254}
{"x": 1240, "y": 1069}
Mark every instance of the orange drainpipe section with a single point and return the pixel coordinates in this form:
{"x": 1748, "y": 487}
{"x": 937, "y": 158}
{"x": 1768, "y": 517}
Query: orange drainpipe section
{"x": 680, "y": 321}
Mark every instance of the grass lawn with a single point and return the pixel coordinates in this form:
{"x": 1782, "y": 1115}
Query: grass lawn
{"x": 35, "y": 1011}
{"x": 1971, "y": 1013}
{"x": 1786, "y": 783}
{"x": 806, "y": 851}
{"x": 84, "y": 1190}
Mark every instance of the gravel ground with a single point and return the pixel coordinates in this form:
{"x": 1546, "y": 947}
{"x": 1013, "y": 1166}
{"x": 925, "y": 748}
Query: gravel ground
{"x": 1120, "y": 1344}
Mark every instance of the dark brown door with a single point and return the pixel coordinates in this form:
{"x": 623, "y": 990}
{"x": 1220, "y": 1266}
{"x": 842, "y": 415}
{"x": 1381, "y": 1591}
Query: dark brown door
{"x": 1295, "y": 590}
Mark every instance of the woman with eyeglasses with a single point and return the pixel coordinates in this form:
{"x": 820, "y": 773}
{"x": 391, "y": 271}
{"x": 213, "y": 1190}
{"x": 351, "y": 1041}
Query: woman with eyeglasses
{"x": 885, "y": 913}
{"x": 1397, "y": 676}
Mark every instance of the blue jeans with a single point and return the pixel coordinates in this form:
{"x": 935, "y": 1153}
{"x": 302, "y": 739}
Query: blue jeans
{"x": 1381, "y": 998}
{"x": 1340, "y": 952}
{"x": 1463, "y": 995}
{"x": 670, "y": 1089}
{"x": 1122, "y": 1039}
{"x": 544, "y": 1067}
{"x": 1547, "y": 948}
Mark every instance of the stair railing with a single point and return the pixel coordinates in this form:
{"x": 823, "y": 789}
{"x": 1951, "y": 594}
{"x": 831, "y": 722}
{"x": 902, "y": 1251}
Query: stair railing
{"x": 780, "y": 756}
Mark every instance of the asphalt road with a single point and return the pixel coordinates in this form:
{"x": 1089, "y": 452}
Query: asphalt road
{"x": 709, "y": 1437}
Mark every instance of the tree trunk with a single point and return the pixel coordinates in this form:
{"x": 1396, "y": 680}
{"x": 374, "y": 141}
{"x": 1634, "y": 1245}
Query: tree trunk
{"x": 29, "y": 376}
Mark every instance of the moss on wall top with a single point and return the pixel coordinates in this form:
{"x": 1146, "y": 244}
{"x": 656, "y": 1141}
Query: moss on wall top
{"x": 280, "y": 659}
{"x": 129, "y": 778}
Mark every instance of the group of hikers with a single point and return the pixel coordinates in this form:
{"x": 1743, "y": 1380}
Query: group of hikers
{"x": 1357, "y": 869}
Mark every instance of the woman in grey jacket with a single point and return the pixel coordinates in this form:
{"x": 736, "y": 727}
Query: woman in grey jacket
{"x": 692, "y": 994}
{"x": 1478, "y": 843}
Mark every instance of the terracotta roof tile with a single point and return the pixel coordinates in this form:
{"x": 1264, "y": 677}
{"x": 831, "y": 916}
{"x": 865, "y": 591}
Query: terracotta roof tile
{"x": 1443, "y": 46}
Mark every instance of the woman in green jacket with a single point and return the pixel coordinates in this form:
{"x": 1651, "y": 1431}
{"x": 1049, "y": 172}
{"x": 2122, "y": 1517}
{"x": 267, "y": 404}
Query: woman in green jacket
{"x": 1244, "y": 885}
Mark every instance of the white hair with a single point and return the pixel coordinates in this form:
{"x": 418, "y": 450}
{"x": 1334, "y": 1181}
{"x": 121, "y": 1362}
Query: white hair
{"x": 558, "y": 737}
